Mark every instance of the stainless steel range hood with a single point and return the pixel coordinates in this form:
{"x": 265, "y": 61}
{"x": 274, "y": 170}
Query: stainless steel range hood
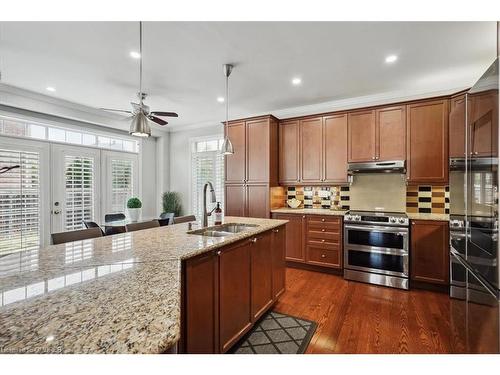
{"x": 391, "y": 166}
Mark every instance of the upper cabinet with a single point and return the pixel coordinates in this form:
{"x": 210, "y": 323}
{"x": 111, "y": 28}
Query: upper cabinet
{"x": 457, "y": 127}
{"x": 313, "y": 150}
{"x": 361, "y": 136}
{"x": 427, "y": 142}
{"x": 377, "y": 135}
{"x": 255, "y": 158}
{"x": 483, "y": 114}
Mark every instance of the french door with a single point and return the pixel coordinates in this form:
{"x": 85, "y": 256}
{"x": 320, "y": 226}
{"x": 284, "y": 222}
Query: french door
{"x": 76, "y": 189}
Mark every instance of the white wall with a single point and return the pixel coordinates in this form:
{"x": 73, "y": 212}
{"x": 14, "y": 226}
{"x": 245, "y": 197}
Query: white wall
{"x": 180, "y": 160}
{"x": 149, "y": 194}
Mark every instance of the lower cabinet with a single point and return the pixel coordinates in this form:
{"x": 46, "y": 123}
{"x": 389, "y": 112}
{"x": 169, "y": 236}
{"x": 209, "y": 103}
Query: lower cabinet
{"x": 295, "y": 236}
{"x": 225, "y": 291}
{"x": 429, "y": 252}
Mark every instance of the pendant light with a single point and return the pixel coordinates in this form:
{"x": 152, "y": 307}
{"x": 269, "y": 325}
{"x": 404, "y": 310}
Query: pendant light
{"x": 140, "y": 123}
{"x": 227, "y": 146}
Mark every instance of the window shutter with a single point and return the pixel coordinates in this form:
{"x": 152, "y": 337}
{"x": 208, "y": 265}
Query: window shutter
{"x": 79, "y": 191}
{"x": 19, "y": 201}
{"x": 122, "y": 183}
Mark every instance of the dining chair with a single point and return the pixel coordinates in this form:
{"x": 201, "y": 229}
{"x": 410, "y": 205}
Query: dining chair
{"x": 166, "y": 218}
{"x": 76, "y": 235}
{"x": 92, "y": 224}
{"x": 114, "y": 217}
{"x": 132, "y": 227}
{"x": 184, "y": 219}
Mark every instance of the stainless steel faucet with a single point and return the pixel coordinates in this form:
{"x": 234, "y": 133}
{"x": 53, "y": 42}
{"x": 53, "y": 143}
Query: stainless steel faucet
{"x": 213, "y": 199}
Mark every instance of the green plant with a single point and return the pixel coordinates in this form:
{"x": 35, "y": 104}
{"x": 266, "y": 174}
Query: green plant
{"x": 134, "y": 203}
{"x": 172, "y": 202}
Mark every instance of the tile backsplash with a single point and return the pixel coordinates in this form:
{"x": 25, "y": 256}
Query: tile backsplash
{"x": 330, "y": 197}
{"x": 428, "y": 199}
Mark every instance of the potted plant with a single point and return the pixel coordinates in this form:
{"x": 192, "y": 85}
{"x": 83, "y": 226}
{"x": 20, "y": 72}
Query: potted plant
{"x": 172, "y": 203}
{"x": 134, "y": 208}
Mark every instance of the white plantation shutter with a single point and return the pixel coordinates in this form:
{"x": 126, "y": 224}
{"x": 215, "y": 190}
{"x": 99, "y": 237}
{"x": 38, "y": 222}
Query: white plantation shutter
{"x": 121, "y": 183}
{"x": 19, "y": 201}
{"x": 79, "y": 177}
{"x": 206, "y": 166}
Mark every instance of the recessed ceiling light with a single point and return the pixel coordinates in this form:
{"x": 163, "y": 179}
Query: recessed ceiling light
{"x": 135, "y": 55}
{"x": 220, "y": 99}
{"x": 390, "y": 59}
{"x": 50, "y": 88}
{"x": 296, "y": 81}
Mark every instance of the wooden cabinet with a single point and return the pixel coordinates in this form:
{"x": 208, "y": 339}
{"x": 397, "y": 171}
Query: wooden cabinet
{"x": 262, "y": 274}
{"x": 427, "y": 142}
{"x": 295, "y": 236}
{"x": 234, "y": 293}
{"x": 483, "y": 124}
{"x": 390, "y": 139}
{"x": 324, "y": 241}
{"x": 278, "y": 247}
{"x": 457, "y": 127}
{"x": 429, "y": 252}
{"x": 361, "y": 136}
{"x": 289, "y": 152}
{"x": 311, "y": 150}
{"x": 253, "y": 167}
{"x": 335, "y": 148}
{"x": 200, "y": 310}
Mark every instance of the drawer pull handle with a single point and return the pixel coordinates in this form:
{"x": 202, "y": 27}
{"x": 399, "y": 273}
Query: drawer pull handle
{"x": 323, "y": 256}
{"x": 323, "y": 229}
{"x": 322, "y": 240}
{"x": 323, "y": 220}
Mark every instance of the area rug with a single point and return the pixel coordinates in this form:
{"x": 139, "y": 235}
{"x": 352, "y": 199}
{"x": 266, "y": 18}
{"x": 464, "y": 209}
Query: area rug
{"x": 277, "y": 333}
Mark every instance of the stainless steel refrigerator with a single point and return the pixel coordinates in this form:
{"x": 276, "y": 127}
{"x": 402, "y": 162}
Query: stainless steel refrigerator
{"x": 474, "y": 255}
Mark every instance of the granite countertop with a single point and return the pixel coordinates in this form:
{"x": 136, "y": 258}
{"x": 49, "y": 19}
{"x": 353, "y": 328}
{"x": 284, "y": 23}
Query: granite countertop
{"x": 115, "y": 294}
{"x": 324, "y": 211}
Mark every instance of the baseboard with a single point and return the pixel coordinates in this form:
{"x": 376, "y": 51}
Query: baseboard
{"x": 429, "y": 286}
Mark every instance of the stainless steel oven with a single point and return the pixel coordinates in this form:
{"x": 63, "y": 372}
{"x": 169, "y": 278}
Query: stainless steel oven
{"x": 376, "y": 249}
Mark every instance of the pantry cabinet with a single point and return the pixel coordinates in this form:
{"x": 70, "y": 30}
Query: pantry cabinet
{"x": 483, "y": 115}
{"x": 427, "y": 142}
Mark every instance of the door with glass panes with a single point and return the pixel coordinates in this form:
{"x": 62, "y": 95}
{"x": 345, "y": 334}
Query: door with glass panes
{"x": 75, "y": 187}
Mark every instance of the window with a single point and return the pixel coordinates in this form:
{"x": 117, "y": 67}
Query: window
{"x": 79, "y": 199}
{"x": 19, "y": 201}
{"x": 21, "y": 128}
{"x": 207, "y": 164}
{"x": 121, "y": 183}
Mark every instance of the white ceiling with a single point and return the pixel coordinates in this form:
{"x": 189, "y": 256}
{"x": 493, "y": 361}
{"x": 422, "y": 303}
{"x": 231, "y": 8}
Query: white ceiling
{"x": 88, "y": 62}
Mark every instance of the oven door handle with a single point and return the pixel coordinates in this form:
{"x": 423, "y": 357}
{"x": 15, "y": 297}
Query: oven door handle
{"x": 378, "y": 250}
{"x": 372, "y": 228}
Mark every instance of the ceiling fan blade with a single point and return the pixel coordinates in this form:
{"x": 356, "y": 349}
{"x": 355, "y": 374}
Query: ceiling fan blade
{"x": 165, "y": 114}
{"x": 115, "y": 110}
{"x": 158, "y": 120}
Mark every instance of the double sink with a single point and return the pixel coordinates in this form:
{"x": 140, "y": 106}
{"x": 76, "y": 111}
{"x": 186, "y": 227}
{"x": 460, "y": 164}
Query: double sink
{"x": 222, "y": 230}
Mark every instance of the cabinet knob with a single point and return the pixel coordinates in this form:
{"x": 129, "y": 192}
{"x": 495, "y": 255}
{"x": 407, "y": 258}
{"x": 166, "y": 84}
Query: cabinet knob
{"x": 276, "y": 230}
{"x": 303, "y": 216}
{"x": 323, "y": 220}
{"x": 322, "y": 240}
{"x": 219, "y": 253}
{"x": 323, "y": 255}
{"x": 323, "y": 229}
{"x": 253, "y": 240}
{"x": 373, "y": 157}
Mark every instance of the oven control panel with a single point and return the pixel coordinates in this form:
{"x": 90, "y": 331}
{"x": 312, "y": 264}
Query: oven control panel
{"x": 398, "y": 220}
{"x": 350, "y": 217}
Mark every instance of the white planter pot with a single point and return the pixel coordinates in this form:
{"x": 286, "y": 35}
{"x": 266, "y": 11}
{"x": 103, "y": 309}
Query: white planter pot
{"x": 134, "y": 214}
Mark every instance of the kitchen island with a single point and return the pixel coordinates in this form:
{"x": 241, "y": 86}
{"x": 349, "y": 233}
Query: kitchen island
{"x": 124, "y": 293}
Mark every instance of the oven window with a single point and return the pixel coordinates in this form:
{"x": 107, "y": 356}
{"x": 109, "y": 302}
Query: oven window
{"x": 377, "y": 239}
{"x": 385, "y": 262}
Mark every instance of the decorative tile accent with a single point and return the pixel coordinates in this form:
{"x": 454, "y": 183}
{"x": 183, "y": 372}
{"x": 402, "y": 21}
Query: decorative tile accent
{"x": 320, "y": 196}
{"x": 428, "y": 199}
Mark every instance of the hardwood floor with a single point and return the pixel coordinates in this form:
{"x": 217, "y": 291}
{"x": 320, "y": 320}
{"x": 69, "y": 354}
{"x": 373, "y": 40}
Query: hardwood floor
{"x": 354, "y": 317}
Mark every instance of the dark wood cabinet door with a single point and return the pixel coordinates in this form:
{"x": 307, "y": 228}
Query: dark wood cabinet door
{"x": 311, "y": 154}
{"x": 391, "y": 133}
{"x": 430, "y": 260}
{"x": 483, "y": 124}
{"x": 262, "y": 274}
{"x": 234, "y": 294}
{"x": 289, "y": 152}
{"x": 295, "y": 236}
{"x": 335, "y": 148}
{"x": 235, "y": 199}
{"x": 257, "y": 201}
{"x": 201, "y": 296}
{"x": 257, "y": 151}
{"x": 361, "y": 136}
{"x": 236, "y": 163}
{"x": 278, "y": 248}
{"x": 457, "y": 127}
{"x": 427, "y": 142}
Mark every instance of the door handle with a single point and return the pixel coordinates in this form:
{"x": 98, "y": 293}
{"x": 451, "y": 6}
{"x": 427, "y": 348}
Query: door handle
{"x": 56, "y": 212}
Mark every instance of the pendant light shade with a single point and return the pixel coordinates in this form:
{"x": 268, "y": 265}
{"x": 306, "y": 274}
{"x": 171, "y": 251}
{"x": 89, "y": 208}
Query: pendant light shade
{"x": 227, "y": 146}
{"x": 140, "y": 125}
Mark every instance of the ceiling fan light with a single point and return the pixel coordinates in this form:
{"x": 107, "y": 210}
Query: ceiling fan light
{"x": 227, "y": 147}
{"x": 140, "y": 126}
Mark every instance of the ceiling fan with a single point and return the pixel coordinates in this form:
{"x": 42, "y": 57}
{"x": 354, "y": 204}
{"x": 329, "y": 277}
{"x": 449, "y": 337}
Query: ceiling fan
{"x": 141, "y": 112}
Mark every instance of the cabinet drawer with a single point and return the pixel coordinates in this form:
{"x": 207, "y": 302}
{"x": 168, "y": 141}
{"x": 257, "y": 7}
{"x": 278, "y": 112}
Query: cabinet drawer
{"x": 324, "y": 244}
{"x": 323, "y": 234}
{"x": 319, "y": 226}
{"x": 313, "y": 219}
{"x": 323, "y": 257}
